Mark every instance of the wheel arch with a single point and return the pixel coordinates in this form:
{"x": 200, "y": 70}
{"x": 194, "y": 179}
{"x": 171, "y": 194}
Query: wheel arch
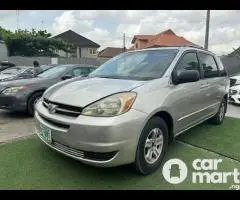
{"x": 167, "y": 117}
{"x": 34, "y": 92}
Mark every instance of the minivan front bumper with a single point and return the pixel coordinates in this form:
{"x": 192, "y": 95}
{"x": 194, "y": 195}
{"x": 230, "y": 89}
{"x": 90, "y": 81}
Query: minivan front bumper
{"x": 98, "y": 141}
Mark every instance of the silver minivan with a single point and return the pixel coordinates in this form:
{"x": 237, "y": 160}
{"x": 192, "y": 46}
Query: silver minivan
{"x": 130, "y": 108}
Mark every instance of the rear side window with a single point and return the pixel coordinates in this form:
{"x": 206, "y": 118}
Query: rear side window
{"x": 209, "y": 66}
{"x": 188, "y": 62}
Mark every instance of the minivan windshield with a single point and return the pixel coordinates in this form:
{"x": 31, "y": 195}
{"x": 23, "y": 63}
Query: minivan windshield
{"x": 139, "y": 65}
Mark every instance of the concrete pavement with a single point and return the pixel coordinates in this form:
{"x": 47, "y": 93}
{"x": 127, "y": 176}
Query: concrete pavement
{"x": 14, "y": 126}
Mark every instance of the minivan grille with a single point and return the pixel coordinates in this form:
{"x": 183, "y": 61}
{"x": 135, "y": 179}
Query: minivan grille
{"x": 54, "y": 123}
{"x": 98, "y": 156}
{"x": 63, "y": 109}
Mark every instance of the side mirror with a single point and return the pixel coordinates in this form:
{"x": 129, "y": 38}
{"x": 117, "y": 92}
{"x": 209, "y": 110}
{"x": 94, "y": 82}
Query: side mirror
{"x": 185, "y": 76}
{"x": 68, "y": 76}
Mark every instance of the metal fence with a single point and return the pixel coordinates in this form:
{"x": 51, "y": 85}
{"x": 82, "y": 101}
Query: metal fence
{"x": 20, "y": 60}
{"x": 232, "y": 63}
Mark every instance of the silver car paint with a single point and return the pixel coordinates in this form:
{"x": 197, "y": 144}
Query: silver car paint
{"x": 188, "y": 104}
{"x": 87, "y": 91}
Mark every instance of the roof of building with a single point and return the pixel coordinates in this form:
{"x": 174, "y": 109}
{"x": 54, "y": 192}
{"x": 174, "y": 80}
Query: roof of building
{"x": 165, "y": 38}
{"x": 110, "y": 52}
{"x": 74, "y": 38}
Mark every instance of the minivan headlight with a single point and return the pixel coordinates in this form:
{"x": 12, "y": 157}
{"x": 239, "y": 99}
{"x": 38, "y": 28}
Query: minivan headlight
{"x": 110, "y": 106}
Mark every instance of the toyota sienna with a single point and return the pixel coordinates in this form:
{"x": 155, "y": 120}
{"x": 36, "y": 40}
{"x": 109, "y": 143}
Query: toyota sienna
{"x": 130, "y": 108}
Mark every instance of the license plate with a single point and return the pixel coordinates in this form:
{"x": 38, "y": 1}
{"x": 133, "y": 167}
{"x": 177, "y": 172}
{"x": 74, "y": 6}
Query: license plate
{"x": 45, "y": 133}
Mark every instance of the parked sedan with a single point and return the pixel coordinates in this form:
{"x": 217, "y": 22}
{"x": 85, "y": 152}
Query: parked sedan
{"x": 18, "y": 72}
{"x": 21, "y": 95}
{"x": 5, "y": 65}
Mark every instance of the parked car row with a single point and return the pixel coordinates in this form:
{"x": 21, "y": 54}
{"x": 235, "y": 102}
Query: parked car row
{"x": 129, "y": 109}
{"x": 21, "y": 95}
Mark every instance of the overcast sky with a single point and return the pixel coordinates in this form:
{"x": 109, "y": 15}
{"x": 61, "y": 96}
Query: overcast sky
{"x": 107, "y": 27}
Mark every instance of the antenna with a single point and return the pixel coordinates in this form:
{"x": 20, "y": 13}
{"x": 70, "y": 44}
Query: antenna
{"x": 124, "y": 46}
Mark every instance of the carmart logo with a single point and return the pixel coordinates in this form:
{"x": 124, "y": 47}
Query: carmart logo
{"x": 175, "y": 171}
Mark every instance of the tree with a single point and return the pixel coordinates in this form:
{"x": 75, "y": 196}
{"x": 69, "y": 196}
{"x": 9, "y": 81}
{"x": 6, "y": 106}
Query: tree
{"x": 34, "y": 43}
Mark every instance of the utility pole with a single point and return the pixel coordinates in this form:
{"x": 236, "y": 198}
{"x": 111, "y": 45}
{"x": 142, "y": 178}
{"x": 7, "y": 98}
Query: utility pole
{"x": 207, "y": 30}
{"x": 17, "y": 13}
{"x": 42, "y": 24}
{"x": 124, "y": 47}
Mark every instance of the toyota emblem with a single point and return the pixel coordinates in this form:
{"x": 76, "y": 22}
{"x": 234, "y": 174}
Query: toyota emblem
{"x": 51, "y": 108}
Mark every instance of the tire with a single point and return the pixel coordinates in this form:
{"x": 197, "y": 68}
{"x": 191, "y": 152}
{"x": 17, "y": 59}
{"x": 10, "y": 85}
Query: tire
{"x": 31, "y": 102}
{"x": 143, "y": 165}
{"x": 219, "y": 117}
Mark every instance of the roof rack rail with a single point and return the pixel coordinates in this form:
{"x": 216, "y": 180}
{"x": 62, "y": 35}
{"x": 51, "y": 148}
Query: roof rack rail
{"x": 194, "y": 46}
{"x": 197, "y": 47}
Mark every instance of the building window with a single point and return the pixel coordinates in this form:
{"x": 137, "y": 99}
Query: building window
{"x": 136, "y": 45}
{"x": 92, "y": 51}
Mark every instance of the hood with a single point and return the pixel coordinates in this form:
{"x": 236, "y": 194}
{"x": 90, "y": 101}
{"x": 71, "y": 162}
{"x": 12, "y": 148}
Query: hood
{"x": 22, "y": 82}
{"x": 4, "y": 76}
{"x": 83, "y": 92}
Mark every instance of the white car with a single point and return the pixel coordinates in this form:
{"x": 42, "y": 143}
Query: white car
{"x": 235, "y": 80}
{"x": 234, "y": 94}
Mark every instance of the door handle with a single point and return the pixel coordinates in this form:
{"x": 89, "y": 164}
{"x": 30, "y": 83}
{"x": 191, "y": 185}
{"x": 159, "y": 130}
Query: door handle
{"x": 204, "y": 86}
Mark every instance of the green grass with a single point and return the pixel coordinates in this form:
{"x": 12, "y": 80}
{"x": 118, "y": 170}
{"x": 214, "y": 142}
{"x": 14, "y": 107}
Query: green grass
{"x": 224, "y": 139}
{"x": 29, "y": 164}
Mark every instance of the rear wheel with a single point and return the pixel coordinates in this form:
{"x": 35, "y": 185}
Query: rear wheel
{"x": 32, "y": 101}
{"x": 152, "y": 146}
{"x": 219, "y": 117}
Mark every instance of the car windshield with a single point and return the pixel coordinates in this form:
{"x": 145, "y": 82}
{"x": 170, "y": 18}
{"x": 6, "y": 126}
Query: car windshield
{"x": 13, "y": 70}
{"x": 53, "y": 72}
{"x": 141, "y": 65}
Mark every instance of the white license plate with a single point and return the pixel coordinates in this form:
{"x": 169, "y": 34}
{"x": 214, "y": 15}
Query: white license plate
{"x": 46, "y": 133}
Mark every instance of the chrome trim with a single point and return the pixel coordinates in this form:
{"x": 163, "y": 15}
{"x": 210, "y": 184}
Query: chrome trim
{"x": 186, "y": 116}
{"x": 66, "y": 111}
{"x": 210, "y": 116}
{"x": 60, "y": 109}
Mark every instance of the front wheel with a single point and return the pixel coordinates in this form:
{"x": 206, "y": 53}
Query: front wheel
{"x": 152, "y": 146}
{"x": 32, "y": 101}
{"x": 219, "y": 117}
